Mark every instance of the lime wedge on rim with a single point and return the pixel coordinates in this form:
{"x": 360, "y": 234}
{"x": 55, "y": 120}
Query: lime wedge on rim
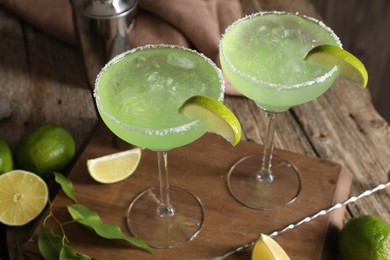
{"x": 266, "y": 248}
{"x": 218, "y": 118}
{"x": 23, "y": 196}
{"x": 350, "y": 67}
{"x": 114, "y": 167}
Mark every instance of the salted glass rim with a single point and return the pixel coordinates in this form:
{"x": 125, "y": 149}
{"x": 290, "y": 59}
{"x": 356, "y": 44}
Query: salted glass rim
{"x": 318, "y": 79}
{"x": 162, "y": 131}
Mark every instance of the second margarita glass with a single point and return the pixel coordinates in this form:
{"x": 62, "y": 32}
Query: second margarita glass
{"x": 262, "y": 55}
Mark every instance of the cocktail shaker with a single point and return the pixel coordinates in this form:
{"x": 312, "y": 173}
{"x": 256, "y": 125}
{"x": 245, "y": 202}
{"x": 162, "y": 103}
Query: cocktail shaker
{"x": 103, "y": 29}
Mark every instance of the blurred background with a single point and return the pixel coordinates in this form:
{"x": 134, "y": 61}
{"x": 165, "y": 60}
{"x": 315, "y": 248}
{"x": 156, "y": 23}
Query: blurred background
{"x": 364, "y": 29}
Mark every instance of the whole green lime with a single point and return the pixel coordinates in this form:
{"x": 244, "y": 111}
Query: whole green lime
{"x": 46, "y": 149}
{"x": 6, "y": 159}
{"x": 366, "y": 237}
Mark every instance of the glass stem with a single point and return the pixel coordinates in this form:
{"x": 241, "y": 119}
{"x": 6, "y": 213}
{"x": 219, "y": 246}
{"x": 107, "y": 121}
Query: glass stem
{"x": 265, "y": 173}
{"x": 165, "y": 209}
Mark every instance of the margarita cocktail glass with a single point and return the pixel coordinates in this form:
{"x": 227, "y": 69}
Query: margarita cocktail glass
{"x": 138, "y": 95}
{"x": 262, "y": 55}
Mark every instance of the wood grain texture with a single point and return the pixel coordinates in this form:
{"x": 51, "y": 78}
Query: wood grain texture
{"x": 341, "y": 126}
{"x": 201, "y": 168}
{"x": 43, "y": 81}
{"x": 363, "y": 26}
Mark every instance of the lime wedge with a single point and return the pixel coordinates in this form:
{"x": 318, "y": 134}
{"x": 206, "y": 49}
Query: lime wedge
{"x": 268, "y": 249}
{"x": 23, "y": 196}
{"x": 219, "y": 119}
{"x": 114, "y": 167}
{"x": 350, "y": 67}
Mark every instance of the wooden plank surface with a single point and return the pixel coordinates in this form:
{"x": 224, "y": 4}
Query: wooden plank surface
{"x": 43, "y": 81}
{"x": 363, "y": 27}
{"x": 228, "y": 224}
{"x": 341, "y": 126}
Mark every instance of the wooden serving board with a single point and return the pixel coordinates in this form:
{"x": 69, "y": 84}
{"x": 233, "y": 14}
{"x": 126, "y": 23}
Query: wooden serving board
{"x": 201, "y": 168}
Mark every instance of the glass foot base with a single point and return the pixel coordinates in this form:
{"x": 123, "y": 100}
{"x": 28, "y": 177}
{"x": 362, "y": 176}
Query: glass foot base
{"x": 245, "y": 186}
{"x": 146, "y": 221}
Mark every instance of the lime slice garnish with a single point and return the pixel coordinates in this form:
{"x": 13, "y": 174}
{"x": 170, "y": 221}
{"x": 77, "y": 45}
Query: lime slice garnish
{"x": 218, "y": 118}
{"x": 268, "y": 249}
{"x": 23, "y": 196}
{"x": 114, "y": 167}
{"x": 350, "y": 67}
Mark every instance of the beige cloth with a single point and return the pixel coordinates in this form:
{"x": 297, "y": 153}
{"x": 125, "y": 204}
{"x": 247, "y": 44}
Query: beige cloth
{"x": 197, "y": 24}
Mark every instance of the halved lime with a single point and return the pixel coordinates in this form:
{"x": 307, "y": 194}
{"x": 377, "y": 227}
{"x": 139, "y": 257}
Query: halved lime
{"x": 114, "y": 167}
{"x": 268, "y": 249}
{"x": 218, "y": 118}
{"x": 350, "y": 67}
{"x": 23, "y": 196}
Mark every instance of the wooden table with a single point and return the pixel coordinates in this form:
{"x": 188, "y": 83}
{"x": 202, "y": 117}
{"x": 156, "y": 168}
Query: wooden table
{"x": 43, "y": 80}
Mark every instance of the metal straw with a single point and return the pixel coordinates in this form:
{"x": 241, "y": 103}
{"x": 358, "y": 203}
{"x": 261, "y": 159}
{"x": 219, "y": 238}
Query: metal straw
{"x": 307, "y": 219}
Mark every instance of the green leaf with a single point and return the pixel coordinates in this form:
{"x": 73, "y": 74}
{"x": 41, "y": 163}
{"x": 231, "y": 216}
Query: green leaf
{"x": 49, "y": 243}
{"x": 66, "y": 185}
{"x": 68, "y": 253}
{"x": 52, "y": 246}
{"x": 91, "y": 219}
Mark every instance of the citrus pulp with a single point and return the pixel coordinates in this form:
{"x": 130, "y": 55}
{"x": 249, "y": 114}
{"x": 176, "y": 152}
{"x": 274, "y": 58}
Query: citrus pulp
{"x": 268, "y": 249}
{"x": 218, "y": 118}
{"x": 114, "y": 167}
{"x": 23, "y": 196}
{"x": 349, "y": 66}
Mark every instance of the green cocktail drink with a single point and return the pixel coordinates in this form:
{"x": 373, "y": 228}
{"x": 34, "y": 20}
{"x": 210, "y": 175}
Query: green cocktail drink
{"x": 263, "y": 56}
{"x": 270, "y": 66}
{"x": 138, "y": 95}
{"x": 140, "y": 92}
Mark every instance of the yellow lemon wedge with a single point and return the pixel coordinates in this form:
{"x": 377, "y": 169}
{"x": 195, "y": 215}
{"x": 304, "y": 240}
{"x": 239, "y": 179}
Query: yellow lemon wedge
{"x": 350, "y": 67}
{"x": 218, "y": 118}
{"x": 23, "y": 196}
{"x": 268, "y": 249}
{"x": 114, "y": 167}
